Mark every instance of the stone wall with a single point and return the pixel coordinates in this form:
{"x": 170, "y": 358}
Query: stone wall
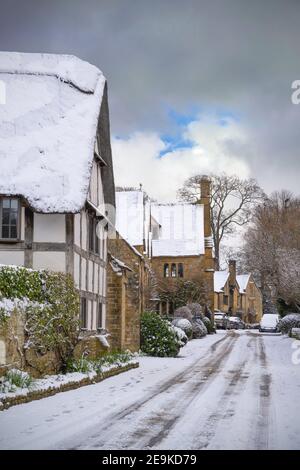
{"x": 12, "y": 341}
{"x": 126, "y": 291}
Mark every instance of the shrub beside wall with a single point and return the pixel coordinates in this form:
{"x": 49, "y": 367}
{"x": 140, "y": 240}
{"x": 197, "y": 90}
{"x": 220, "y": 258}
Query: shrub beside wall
{"x": 46, "y": 306}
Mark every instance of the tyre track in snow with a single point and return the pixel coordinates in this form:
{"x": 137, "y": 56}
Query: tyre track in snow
{"x": 262, "y": 429}
{"x": 237, "y": 382}
{"x": 149, "y": 431}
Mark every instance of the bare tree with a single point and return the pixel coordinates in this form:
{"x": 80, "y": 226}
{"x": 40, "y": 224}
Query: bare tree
{"x": 232, "y": 200}
{"x": 272, "y": 249}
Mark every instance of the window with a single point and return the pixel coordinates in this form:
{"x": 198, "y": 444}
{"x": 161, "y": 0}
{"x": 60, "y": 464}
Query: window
{"x": 173, "y": 270}
{"x": 100, "y": 316}
{"x": 166, "y": 270}
{"x": 93, "y": 237}
{"x": 225, "y": 299}
{"x": 9, "y": 218}
{"x": 180, "y": 270}
{"x": 83, "y": 313}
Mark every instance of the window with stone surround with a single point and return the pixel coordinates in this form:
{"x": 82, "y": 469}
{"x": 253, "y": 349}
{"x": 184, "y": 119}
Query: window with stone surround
{"x": 173, "y": 270}
{"x": 180, "y": 270}
{"x": 166, "y": 270}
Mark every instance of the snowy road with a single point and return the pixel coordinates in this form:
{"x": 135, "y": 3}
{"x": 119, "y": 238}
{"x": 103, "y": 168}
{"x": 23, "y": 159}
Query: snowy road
{"x": 234, "y": 390}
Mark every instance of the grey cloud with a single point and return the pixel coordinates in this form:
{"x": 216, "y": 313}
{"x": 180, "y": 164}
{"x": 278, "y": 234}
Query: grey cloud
{"x": 231, "y": 54}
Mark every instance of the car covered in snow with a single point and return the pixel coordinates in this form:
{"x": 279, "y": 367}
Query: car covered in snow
{"x": 235, "y": 323}
{"x": 269, "y": 323}
{"x": 221, "y": 320}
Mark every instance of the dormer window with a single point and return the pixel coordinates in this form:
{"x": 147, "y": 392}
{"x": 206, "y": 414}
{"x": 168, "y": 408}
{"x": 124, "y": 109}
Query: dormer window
{"x": 9, "y": 219}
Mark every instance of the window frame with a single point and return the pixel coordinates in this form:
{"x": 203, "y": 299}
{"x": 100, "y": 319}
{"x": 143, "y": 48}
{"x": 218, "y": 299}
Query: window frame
{"x": 173, "y": 270}
{"x": 84, "y": 301}
{"x": 180, "y": 270}
{"x": 18, "y": 225}
{"x": 93, "y": 240}
{"x": 100, "y": 316}
{"x": 166, "y": 270}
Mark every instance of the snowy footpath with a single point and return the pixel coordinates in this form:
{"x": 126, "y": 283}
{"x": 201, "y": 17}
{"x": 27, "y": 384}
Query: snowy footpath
{"x": 232, "y": 390}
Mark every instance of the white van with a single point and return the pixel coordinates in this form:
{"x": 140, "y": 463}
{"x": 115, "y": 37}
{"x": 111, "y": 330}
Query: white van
{"x": 269, "y": 323}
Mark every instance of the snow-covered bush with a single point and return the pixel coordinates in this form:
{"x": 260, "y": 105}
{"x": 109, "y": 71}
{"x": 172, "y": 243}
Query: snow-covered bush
{"x": 199, "y": 329}
{"x": 195, "y": 309}
{"x": 288, "y": 322}
{"x": 209, "y": 325}
{"x": 181, "y": 336}
{"x": 183, "y": 312}
{"x": 14, "y": 379}
{"x": 17, "y": 282}
{"x": 184, "y": 325}
{"x": 55, "y": 327}
{"x": 157, "y": 336}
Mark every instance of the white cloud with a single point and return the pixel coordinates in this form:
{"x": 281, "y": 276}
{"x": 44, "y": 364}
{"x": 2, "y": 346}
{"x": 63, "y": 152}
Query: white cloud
{"x": 215, "y": 149}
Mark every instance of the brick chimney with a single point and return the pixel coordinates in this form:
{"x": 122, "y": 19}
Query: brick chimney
{"x": 232, "y": 272}
{"x": 205, "y": 186}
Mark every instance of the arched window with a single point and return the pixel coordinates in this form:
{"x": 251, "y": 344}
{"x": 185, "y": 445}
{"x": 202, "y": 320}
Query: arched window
{"x": 166, "y": 270}
{"x": 180, "y": 270}
{"x": 173, "y": 270}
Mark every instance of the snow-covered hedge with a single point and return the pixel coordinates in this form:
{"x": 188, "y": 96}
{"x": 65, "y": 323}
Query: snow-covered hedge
{"x": 208, "y": 324}
{"x": 181, "y": 336}
{"x": 195, "y": 309}
{"x": 199, "y": 329}
{"x": 158, "y": 338}
{"x": 184, "y": 325}
{"x": 183, "y": 312}
{"x": 288, "y": 322}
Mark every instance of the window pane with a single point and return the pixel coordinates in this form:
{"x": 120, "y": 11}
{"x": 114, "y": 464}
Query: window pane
{"x": 5, "y": 231}
{"x": 83, "y": 314}
{"x": 173, "y": 270}
{"x": 6, "y": 203}
{"x": 180, "y": 270}
{"x": 14, "y": 203}
{"x": 5, "y": 216}
{"x": 13, "y": 217}
{"x": 13, "y": 231}
{"x": 166, "y": 270}
{"x": 99, "y": 320}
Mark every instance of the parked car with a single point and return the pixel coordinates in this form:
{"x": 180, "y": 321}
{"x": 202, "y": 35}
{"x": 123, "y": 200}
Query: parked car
{"x": 221, "y": 320}
{"x": 235, "y": 323}
{"x": 269, "y": 323}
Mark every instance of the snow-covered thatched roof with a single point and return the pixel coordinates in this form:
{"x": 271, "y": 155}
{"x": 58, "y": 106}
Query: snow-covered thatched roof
{"x": 182, "y": 229}
{"x": 48, "y": 126}
{"x": 220, "y": 279}
{"x": 242, "y": 280}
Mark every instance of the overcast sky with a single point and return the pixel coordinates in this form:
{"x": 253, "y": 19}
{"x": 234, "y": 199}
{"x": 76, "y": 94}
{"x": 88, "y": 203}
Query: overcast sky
{"x": 194, "y": 86}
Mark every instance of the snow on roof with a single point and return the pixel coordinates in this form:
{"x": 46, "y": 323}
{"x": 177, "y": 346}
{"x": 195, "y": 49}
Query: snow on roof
{"x": 182, "y": 229}
{"x": 48, "y": 126}
{"x": 220, "y": 279}
{"x": 130, "y": 216}
{"x": 242, "y": 280}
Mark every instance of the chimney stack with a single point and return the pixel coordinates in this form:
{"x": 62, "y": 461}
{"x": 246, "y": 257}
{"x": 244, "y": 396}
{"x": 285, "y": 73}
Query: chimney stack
{"x": 205, "y": 185}
{"x": 232, "y": 272}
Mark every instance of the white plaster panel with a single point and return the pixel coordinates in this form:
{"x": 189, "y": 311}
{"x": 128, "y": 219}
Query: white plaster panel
{"x": 49, "y": 228}
{"x": 12, "y": 257}
{"x": 83, "y": 274}
{"x": 77, "y": 229}
{"x": 76, "y": 269}
{"x": 52, "y": 260}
